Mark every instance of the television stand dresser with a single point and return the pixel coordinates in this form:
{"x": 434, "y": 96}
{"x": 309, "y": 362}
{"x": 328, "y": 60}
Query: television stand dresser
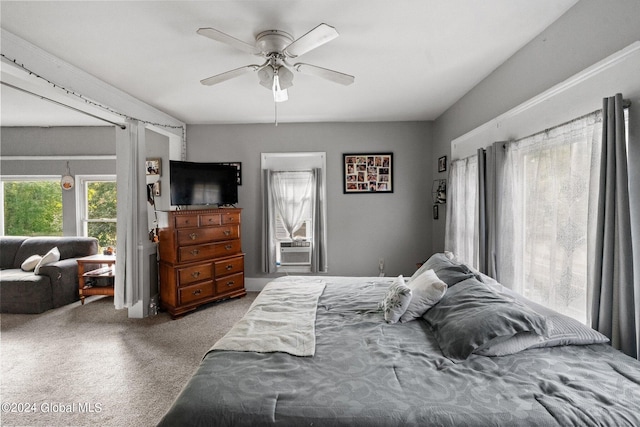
{"x": 201, "y": 258}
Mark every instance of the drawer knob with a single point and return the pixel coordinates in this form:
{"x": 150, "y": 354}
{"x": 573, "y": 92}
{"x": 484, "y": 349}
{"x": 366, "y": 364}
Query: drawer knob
{"x": 230, "y": 283}
{"x": 195, "y": 274}
{"x": 193, "y": 236}
{"x": 227, "y": 232}
{"x": 229, "y": 267}
{"x": 197, "y": 292}
{"x": 228, "y": 247}
{"x": 195, "y": 252}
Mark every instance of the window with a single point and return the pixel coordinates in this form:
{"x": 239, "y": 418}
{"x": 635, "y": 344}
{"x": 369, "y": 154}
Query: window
{"x": 543, "y": 209}
{"x": 97, "y": 203}
{"x": 32, "y": 206}
{"x": 294, "y": 235}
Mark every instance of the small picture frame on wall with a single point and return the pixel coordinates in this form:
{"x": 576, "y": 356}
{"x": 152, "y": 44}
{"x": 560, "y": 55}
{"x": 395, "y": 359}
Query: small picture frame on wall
{"x": 439, "y": 191}
{"x": 442, "y": 164}
{"x": 367, "y": 173}
{"x": 435, "y": 211}
{"x": 153, "y": 167}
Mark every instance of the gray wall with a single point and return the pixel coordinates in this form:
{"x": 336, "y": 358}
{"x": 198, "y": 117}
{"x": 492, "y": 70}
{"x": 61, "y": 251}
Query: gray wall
{"x": 67, "y": 142}
{"x": 362, "y": 227}
{"x": 589, "y": 32}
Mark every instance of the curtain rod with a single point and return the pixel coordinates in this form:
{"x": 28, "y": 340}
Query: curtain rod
{"x": 120, "y": 125}
{"x": 626, "y": 104}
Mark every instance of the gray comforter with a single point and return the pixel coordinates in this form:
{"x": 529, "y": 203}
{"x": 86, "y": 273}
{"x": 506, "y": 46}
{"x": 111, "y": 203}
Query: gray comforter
{"x": 366, "y": 372}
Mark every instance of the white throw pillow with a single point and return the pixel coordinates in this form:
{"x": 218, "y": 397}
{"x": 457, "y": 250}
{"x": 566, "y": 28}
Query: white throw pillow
{"x": 30, "y": 263}
{"x": 426, "y": 290}
{"x": 395, "y": 301}
{"x": 52, "y": 256}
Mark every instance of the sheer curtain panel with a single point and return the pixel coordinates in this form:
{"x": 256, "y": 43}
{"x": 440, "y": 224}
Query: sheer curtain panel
{"x": 292, "y": 193}
{"x": 543, "y": 211}
{"x": 461, "y": 227}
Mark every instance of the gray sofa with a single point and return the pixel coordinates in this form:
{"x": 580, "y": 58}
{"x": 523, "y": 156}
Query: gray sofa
{"x": 55, "y": 285}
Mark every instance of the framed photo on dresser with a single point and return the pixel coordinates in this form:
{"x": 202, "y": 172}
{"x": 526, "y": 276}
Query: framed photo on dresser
{"x": 367, "y": 173}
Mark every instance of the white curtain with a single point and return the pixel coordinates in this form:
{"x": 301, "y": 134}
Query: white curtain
{"x": 462, "y": 211}
{"x": 292, "y": 192}
{"x": 131, "y": 189}
{"x": 544, "y": 206}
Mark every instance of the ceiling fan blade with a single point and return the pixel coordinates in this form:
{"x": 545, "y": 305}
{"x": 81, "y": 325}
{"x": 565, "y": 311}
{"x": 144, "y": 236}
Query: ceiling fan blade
{"x": 334, "y": 76}
{"x": 217, "y": 35}
{"x": 219, "y": 78}
{"x": 320, "y": 35}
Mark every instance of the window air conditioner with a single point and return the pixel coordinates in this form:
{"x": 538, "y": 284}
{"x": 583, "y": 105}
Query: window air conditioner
{"x": 295, "y": 253}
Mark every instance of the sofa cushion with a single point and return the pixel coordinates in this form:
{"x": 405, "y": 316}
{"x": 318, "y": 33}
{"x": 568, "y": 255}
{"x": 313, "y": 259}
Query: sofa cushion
{"x": 9, "y": 246}
{"x": 24, "y": 292}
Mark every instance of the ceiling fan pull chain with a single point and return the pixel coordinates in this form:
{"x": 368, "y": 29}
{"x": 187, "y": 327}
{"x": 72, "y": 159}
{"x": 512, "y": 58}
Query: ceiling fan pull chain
{"x": 275, "y": 107}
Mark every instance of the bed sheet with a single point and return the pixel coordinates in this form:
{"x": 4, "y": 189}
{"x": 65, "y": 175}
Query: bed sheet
{"x": 366, "y": 372}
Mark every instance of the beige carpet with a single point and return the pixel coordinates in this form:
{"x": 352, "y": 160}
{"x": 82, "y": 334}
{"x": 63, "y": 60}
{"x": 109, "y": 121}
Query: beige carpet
{"x": 84, "y": 365}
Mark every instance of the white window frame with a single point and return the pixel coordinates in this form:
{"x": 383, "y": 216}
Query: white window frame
{"x": 292, "y": 162}
{"x": 82, "y": 204}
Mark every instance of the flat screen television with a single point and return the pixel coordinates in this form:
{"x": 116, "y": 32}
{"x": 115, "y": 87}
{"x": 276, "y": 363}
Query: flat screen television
{"x": 194, "y": 183}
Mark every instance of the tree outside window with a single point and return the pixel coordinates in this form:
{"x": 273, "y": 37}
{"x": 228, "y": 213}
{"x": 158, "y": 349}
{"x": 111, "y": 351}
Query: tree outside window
{"x": 101, "y": 208}
{"x": 32, "y": 208}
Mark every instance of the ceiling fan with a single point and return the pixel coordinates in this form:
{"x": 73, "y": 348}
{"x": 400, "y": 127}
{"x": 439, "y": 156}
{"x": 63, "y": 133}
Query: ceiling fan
{"x": 277, "y": 48}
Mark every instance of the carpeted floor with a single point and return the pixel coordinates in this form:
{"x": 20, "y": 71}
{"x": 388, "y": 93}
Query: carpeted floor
{"x": 85, "y": 365}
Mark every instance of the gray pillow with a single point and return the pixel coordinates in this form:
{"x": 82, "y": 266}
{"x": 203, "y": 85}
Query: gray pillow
{"x": 562, "y": 330}
{"x": 471, "y": 315}
{"x": 447, "y": 270}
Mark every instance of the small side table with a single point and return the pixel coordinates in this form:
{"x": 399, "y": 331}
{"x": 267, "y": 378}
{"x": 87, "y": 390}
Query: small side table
{"x": 105, "y": 265}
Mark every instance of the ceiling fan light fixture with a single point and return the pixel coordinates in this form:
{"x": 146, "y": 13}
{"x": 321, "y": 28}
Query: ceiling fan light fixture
{"x": 266, "y": 77}
{"x": 279, "y": 94}
{"x": 285, "y": 76}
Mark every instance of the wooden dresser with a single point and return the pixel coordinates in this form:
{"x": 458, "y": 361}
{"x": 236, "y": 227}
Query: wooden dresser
{"x": 201, "y": 258}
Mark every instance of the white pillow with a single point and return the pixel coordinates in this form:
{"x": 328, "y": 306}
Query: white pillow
{"x": 30, "y": 263}
{"x": 395, "y": 301}
{"x": 52, "y": 256}
{"x": 426, "y": 290}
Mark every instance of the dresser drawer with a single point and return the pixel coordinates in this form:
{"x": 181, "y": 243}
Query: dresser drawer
{"x": 207, "y": 220}
{"x": 196, "y": 292}
{"x": 202, "y": 235}
{"x": 230, "y": 247}
{"x": 228, "y": 266}
{"x": 196, "y": 252}
{"x": 195, "y": 273}
{"x": 186, "y": 221}
{"x": 230, "y": 283}
{"x": 226, "y": 232}
{"x": 194, "y": 236}
{"x": 231, "y": 218}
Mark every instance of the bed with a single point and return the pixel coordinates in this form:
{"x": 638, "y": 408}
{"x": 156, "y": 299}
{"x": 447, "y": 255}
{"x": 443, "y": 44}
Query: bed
{"x": 479, "y": 355}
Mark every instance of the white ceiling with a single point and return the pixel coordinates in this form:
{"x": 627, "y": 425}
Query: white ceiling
{"x": 412, "y": 59}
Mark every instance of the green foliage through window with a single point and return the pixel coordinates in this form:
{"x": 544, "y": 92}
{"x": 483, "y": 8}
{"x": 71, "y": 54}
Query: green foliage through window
{"x": 32, "y": 208}
{"x": 101, "y": 212}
